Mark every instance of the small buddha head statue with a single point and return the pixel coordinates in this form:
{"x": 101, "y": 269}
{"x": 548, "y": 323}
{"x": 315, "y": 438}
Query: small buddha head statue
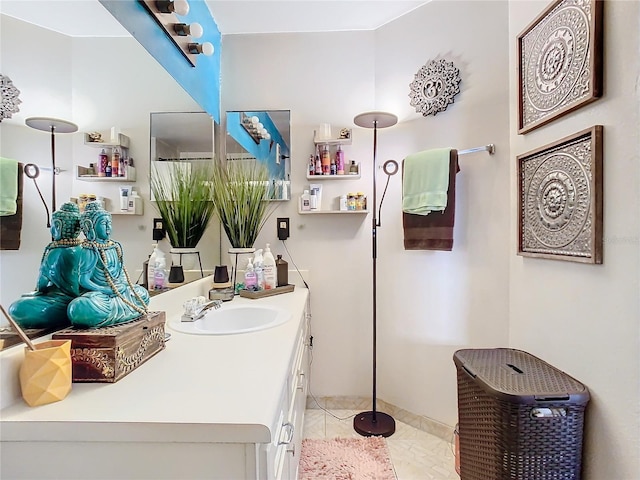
{"x": 65, "y": 222}
{"x": 96, "y": 223}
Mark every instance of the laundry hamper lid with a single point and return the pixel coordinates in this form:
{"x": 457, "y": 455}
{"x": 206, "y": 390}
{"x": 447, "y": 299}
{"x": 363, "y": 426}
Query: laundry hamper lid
{"x": 519, "y": 377}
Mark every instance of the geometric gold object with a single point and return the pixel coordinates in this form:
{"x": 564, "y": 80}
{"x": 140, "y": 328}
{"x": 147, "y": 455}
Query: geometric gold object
{"x": 45, "y": 373}
{"x": 560, "y": 199}
{"x": 559, "y": 62}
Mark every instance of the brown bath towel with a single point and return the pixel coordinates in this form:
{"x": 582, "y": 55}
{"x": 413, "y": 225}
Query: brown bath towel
{"x": 11, "y": 225}
{"x": 433, "y": 231}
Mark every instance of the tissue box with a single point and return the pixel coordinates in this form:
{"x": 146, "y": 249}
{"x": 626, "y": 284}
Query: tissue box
{"x": 108, "y": 354}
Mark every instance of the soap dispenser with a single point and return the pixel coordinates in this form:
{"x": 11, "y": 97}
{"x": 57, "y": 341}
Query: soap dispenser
{"x": 151, "y": 281}
{"x": 257, "y": 265}
{"x": 250, "y": 278}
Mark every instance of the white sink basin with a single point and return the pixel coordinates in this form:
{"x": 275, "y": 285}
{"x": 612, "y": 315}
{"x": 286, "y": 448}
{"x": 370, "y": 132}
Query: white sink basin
{"x": 232, "y": 319}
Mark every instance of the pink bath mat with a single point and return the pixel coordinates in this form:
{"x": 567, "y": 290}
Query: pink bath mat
{"x": 364, "y": 458}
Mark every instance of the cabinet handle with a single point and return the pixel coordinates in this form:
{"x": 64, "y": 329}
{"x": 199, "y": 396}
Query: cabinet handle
{"x": 292, "y": 449}
{"x": 289, "y": 426}
{"x": 301, "y": 381}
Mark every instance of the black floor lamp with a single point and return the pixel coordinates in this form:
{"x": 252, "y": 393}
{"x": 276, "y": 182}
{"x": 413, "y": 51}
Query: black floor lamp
{"x": 54, "y": 126}
{"x": 373, "y": 422}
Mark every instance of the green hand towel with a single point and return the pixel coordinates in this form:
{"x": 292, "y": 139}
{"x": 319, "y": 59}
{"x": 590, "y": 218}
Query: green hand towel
{"x": 425, "y": 181}
{"x": 8, "y": 186}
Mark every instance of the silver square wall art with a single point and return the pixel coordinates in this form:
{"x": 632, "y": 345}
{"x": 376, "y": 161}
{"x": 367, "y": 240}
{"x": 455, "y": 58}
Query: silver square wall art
{"x": 559, "y": 62}
{"x": 560, "y": 199}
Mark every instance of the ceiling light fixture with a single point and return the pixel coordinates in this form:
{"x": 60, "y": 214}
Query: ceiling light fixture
{"x": 183, "y": 35}
{"x": 254, "y": 128}
{"x": 205, "y": 48}
{"x": 179, "y": 7}
{"x": 183, "y": 30}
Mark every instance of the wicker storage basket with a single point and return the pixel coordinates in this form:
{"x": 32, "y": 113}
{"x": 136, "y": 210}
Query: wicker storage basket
{"x": 519, "y": 417}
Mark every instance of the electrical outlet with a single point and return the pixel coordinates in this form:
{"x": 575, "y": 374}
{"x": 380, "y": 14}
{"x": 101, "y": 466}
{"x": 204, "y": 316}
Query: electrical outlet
{"x": 158, "y": 229}
{"x": 283, "y": 228}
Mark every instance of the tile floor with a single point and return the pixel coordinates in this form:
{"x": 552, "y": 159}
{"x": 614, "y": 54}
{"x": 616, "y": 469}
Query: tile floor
{"x": 415, "y": 454}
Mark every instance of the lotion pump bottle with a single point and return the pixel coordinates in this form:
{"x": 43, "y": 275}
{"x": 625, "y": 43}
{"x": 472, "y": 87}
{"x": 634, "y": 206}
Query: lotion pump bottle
{"x": 269, "y": 270}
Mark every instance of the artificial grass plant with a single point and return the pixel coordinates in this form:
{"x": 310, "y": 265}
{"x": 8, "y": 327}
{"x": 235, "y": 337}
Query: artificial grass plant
{"x": 240, "y": 191}
{"x": 183, "y": 196}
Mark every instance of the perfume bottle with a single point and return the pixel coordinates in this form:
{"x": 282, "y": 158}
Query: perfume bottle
{"x": 339, "y": 161}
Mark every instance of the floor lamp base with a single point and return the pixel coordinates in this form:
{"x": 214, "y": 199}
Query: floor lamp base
{"x": 374, "y": 423}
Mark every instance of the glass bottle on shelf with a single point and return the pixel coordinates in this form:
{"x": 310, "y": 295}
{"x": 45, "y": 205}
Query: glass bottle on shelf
{"x": 326, "y": 161}
{"x": 318, "y": 163}
{"x": 339, "y": 161}
{"x": 353, "y": 168}
{"x": 312, "y": 165}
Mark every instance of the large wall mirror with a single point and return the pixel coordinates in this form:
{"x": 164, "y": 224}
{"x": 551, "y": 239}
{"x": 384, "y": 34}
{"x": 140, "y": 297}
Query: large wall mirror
{"x": 125, "y": 101}
{"x": 262, "y": 136}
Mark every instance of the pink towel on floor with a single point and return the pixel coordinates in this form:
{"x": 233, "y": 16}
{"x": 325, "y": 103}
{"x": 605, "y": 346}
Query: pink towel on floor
{"x": 433, "y": 231}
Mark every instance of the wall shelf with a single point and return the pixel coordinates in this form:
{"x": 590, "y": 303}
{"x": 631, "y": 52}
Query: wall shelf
{"x": 119, "y": 212}
{"x": 138, "y": 211}
{"x": 123, "y": 142}
{"x": 82, "y": 173}
{"x": 332, "y": 141}
{"x": 334, "y": 177}
{"x": 330, "y": 212}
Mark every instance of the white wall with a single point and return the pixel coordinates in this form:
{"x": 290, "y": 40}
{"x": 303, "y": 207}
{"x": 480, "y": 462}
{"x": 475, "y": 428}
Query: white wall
{"x": 481, "y": 294}
{"x": 97, "y": 83}
{"x": 433, "y": 303}
{"x": 584, "y": 318}
{"x": 429, "y": 303}
{"x": 320, "y": 78}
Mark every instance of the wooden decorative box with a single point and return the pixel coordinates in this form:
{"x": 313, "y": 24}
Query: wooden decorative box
{"x": 108, "y": 354}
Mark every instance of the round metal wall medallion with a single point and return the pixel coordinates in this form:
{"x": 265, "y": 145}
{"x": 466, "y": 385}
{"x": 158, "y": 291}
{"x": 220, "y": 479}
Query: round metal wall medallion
{"x": 10, "y": 100}
{"x": 434, "y": 86}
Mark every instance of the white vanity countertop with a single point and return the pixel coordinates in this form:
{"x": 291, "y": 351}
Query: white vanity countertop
{"x": 206, "y": 388}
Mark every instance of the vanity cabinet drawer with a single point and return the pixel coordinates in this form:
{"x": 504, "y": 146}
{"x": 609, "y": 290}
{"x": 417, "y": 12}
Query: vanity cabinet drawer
{"x": 298, "y": 388}
{"x": 282, "y": 455}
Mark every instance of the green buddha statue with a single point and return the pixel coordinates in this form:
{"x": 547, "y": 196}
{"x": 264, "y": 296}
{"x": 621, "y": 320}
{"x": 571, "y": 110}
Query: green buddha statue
{"x": 58, "y": 281}
{"x": 109, "y": 298}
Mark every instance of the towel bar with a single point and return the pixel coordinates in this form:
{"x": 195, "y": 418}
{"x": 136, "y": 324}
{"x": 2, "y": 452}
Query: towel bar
{"x": 56, "y": 170}
{"x": 491, "y": 148}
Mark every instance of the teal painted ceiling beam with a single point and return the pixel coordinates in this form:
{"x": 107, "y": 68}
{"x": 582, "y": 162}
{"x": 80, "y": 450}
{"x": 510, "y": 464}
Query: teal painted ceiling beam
{"x": 202, "y": 82}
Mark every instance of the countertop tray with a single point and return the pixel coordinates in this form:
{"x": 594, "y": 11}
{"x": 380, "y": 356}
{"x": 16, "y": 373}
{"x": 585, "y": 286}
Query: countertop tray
{"x": 267, "y": 293}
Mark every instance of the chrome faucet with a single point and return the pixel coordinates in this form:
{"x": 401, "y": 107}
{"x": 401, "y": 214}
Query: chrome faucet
{"x": 195, "y": 311}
